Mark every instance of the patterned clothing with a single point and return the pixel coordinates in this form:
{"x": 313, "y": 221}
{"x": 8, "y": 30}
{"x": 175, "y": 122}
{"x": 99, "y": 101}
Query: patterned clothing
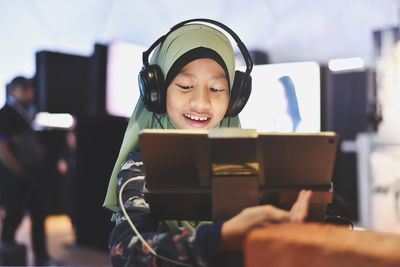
{"x": 197, "y": 248}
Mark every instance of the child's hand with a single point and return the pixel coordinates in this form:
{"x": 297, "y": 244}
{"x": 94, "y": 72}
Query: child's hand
{"x": 235, "y": 230}
{"x": 299, "y": 210}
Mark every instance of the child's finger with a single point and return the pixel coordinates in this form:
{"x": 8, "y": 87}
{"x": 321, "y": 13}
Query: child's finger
{"x": 299, "y": 210}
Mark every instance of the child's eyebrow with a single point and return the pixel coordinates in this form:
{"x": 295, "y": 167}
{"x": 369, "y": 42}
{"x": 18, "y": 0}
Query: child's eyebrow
{"x": 218, "y": 77}
{"x": 191, "y": 75}
{"x": 183, "y": 73}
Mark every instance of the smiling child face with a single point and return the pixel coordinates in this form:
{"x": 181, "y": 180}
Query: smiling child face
{"x": 198, "y": 96}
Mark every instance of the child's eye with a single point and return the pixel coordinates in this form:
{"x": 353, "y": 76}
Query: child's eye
{"x": 213, "y": 89}
{"x": 185, "y": 87}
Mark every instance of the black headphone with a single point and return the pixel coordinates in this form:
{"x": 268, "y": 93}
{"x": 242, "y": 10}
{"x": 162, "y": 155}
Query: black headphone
{"x": 152, "y": 81}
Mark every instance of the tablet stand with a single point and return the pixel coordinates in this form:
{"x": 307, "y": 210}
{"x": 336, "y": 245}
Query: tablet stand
{"x": 234, "y": 171}
{"x": 231, "y": 194}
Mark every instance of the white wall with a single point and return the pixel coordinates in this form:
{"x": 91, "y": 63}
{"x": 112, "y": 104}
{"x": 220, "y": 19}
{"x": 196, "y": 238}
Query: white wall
{"x": 290, "y": 30}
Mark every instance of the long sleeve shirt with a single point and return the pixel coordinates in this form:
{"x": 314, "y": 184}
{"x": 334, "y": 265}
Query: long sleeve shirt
{"x": 197, "y": 247}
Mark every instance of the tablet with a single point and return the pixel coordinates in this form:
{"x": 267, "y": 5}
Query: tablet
{"x": 181, "y": 165}
{"x": 175, "y": 158}
{"x": 188, "y": 158}
{"x": 296, "y": 159}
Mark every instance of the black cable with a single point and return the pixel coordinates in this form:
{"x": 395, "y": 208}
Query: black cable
{"x": 338, "y": 220}
{"x": 158, "y": 120}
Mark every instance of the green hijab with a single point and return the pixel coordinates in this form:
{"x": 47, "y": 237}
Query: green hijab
{"x": 176, "y": 44}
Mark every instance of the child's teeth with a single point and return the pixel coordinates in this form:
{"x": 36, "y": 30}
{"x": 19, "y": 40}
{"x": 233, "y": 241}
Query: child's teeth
{"x": 196, "y": 118}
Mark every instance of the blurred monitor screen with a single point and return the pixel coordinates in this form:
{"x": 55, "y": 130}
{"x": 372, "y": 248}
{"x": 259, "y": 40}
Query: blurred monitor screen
{"x": 285, "y": 98}
{"x": 124, "y": 61}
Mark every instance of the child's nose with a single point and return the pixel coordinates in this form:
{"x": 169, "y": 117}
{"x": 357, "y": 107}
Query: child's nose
{"x": 200, "y": 100}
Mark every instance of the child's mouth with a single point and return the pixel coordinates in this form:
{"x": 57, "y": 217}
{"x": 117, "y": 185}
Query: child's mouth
{"x": 197, "y": 121}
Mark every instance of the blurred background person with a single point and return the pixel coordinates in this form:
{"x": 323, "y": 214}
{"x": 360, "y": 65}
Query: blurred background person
{"x": 21, "y": 165}
{"x": 66, "y": 168}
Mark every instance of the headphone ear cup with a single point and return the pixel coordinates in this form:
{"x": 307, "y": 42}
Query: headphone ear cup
{"x": 241, "y": 90}
{"x": 151, "y": 86}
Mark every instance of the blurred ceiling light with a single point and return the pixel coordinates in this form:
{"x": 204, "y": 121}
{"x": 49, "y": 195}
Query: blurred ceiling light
{"x": 54, "y": 120}
{"x": 345, "y": 64}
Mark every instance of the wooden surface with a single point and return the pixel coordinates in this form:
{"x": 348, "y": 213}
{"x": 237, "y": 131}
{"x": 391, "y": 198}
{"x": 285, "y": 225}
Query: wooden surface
{"x": 313, "y": 244}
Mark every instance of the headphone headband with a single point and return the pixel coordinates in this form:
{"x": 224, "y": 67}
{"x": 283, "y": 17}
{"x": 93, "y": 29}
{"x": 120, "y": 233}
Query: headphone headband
{"x": 243, "y": 50}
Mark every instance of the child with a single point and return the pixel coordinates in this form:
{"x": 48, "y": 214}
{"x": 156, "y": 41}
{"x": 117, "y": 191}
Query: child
{"x": 198, "y": 64}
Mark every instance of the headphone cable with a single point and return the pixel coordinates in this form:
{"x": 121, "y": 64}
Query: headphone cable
{"x": 158, "y": 120}
{"x": 135, "y": 230}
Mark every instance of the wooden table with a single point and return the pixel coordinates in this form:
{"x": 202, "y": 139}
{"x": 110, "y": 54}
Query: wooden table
{"x": 320, "y": 245}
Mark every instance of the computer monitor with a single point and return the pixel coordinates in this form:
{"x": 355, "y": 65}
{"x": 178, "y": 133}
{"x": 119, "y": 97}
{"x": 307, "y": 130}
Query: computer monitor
{"x": 181, "y": 166}
{"x": 285, "y": 97}
{"x": 124, "y": 61}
